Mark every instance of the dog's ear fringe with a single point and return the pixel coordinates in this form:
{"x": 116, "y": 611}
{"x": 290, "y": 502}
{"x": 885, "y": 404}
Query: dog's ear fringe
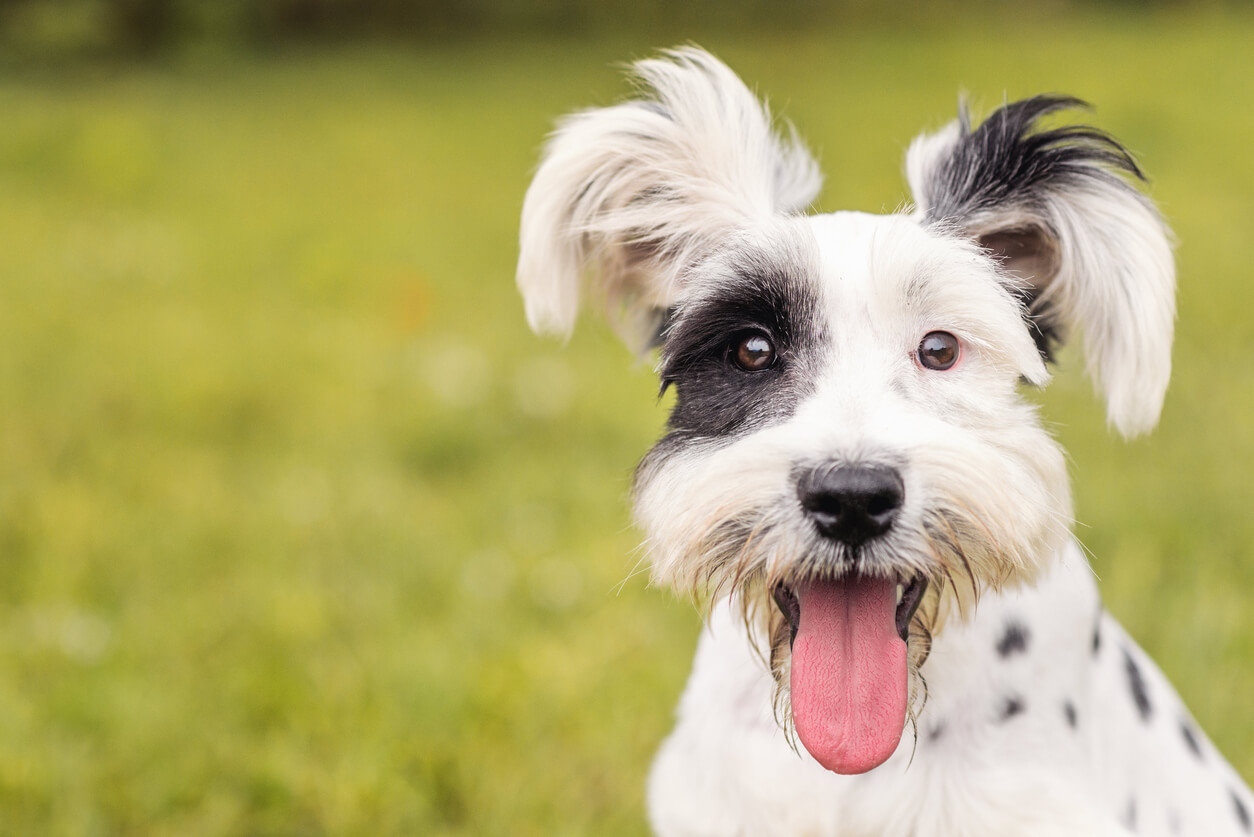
{"x": 1114, "y": 275}
{"x": 632, "y": 195}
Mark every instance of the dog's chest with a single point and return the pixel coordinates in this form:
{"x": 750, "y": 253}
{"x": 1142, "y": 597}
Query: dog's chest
{"x": 1042, "y": 717}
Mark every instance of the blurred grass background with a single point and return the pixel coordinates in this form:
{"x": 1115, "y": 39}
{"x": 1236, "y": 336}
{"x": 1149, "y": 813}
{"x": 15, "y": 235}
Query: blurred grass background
{"x": 301, "y": 532}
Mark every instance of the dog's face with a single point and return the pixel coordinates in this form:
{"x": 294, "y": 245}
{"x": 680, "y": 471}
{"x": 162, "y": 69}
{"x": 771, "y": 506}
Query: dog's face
{"x": 850, "y": 453}
{"x": 847, "y": 407}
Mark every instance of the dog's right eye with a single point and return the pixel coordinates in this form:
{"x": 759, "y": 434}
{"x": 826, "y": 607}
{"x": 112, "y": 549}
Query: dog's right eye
{"x": 939, "y": 350}
{"x": 753, "y": 352}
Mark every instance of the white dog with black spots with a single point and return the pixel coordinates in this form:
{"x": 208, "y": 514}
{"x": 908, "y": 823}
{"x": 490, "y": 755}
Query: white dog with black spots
{"x": 903, "y": 636}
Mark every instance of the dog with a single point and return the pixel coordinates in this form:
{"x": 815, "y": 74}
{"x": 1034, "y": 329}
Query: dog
{"x": 903, "y": 637}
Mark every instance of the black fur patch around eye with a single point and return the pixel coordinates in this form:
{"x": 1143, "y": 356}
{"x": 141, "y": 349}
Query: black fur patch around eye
{"x": 714, "y": 396}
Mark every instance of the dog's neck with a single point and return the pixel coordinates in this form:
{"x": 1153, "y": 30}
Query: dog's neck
{"x": 1029, "y": 632}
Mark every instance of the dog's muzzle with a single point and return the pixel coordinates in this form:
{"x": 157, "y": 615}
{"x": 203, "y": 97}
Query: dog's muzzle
{"x": 851, "y": 505}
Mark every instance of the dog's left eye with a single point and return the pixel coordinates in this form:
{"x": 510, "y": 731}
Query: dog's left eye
{"x": 753, "y": 352}
{"x": 938, "y": 350}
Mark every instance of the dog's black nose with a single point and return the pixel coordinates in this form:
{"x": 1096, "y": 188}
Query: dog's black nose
{"x": 849, "y": 503}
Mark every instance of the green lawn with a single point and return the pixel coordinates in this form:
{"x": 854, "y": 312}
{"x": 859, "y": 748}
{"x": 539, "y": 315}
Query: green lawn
{"x": 301, "y": 531}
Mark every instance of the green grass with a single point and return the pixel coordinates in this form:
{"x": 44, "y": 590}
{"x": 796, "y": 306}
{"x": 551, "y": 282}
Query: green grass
{"x": 301, "y": 532}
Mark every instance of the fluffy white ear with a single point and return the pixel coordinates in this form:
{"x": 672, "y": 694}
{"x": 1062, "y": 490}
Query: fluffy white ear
{"x": 635, "y": 193}
{"x": 1059, "y": 209}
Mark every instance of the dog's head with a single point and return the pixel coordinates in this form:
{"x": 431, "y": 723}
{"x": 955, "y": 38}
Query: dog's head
{"x": 849, "y": 452}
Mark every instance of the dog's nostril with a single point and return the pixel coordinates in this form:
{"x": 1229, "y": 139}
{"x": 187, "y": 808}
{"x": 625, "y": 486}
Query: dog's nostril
{"x": 851, "y": 504}
{"x": 882, "y": 503}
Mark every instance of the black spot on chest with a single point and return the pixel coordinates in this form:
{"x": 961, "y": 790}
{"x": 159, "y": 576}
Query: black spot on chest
{"x": 1014, "y": 640}
{"x": 1191, "y": 739}
{"x": 1068, "y": 711}
{"x": 1137, "y": 686}
{"x": 1011, "y": 706}
{"x": 1243, "y": 814}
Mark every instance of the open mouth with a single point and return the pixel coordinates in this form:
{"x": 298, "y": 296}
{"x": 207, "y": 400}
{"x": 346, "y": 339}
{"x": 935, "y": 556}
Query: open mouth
{"x": 909, "y": 597}
{"x": 849, "y": 679}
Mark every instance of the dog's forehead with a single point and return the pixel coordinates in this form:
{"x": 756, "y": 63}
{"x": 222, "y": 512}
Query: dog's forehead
{"x": 863, "y": 257}
{"x": 889, "y": 273}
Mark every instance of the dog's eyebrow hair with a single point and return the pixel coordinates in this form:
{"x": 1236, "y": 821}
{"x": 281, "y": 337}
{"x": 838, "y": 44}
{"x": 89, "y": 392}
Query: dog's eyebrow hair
{"x": 752, "y": 300}
{"x": 914, "y": 286}
{"x": 759, "y": 293}
{"x": 746, "y": 290}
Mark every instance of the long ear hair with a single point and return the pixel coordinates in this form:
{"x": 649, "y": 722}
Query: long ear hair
{"x": 1059, "y": 208}
{"x": 635, "y": 193}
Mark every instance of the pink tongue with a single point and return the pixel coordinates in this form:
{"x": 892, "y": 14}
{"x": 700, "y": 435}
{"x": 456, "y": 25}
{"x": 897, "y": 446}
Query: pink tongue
{"x": 849, "y": 673}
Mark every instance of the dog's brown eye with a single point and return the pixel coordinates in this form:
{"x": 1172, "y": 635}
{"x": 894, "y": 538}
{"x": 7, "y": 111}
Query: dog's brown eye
{"x": 938, "y": 350}
{"x": 754, "y": 352}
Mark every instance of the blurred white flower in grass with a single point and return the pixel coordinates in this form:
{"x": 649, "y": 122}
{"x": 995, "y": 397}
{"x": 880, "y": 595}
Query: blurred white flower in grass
{"x": 531, "y": 528}
{"x": 488, "y": 576}
{"x": 556, "y": 584}
{"x": 457, "y": 373}
{"x": 75, "y": 634}
{"x": 304, "y": 495}
{"x": 544, "y": 387}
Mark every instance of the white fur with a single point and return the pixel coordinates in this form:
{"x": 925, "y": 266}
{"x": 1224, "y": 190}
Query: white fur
{"x": 1115, "y": 280}
{"x": 874, "y": 403}
{"x": 637, "y": 190}
{"x": 665, "y": 201}
{"x": 727, "y": 769}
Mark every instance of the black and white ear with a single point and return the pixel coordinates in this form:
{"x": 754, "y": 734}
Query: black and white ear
{"x": 633, "y": 194}
{"x": 1058, "y": 207}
